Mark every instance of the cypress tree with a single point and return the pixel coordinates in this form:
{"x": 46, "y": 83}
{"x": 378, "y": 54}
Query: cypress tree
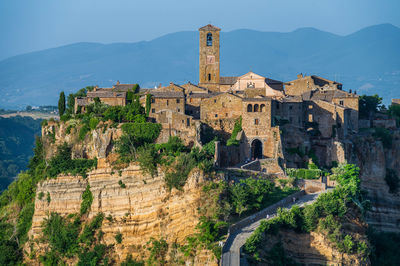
{"x": 61, "y": 104}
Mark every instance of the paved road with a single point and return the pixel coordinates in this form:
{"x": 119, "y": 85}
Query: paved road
{"x": 231, "y": 255}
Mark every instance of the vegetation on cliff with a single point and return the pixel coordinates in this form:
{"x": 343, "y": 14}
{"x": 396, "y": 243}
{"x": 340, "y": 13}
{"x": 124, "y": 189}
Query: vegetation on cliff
{"x": 17, "y": 202}
{"x": 326, "y": 215}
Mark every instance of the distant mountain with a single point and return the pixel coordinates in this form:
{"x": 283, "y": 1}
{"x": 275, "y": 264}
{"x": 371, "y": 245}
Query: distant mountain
{"x": 367, "y": 61}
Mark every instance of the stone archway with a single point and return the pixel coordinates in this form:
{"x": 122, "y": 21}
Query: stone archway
{"x": 256, "y": 149}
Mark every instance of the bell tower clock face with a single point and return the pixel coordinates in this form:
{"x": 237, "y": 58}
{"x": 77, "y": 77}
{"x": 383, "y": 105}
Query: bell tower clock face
{"x": 210, "y": 59}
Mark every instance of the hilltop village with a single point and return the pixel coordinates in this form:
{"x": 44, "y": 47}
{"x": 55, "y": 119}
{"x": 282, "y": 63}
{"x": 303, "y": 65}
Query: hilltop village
{"x": 277, "y": 119}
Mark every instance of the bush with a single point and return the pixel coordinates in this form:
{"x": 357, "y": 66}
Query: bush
{"x": 83, "y": 131}
{"x": 122, "y": 185}
{"x": 148, "y": 159}
{"x": 94, "y": 121}
{"x": 181, "y": 169}
{"x": 88, "y": 232}
{"x": 136, "y": 135}
{"x": 61, "y": 233}
{"x": 87, "y": 199}
{"x": 158, "y": 251}
{"x": 236, "y": 129}
{"x": 118, "y": 237}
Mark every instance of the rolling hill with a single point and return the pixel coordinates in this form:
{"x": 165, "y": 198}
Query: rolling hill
{"x": 367, "y": 61}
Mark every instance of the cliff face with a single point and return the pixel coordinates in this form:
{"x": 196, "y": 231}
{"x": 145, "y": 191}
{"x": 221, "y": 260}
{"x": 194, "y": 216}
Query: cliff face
{"x": 141, "y": 210}
{"x": 311, "y": 249}
{"x": 97, "y": 143}
{"x": 374, "y": 160}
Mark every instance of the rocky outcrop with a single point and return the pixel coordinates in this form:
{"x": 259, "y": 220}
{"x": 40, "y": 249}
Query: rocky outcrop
{"x": 144, "y": 208}
{"x": 98, "y": 143}
{"x": 313, "y": 249}
{"x": 374, "y": 160}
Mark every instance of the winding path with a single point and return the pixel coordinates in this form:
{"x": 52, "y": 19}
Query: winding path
{"x": 231, "y": 249}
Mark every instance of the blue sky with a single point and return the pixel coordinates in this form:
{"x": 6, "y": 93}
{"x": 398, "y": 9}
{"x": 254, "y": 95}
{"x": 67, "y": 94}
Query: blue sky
{"x": 30, "y": 25}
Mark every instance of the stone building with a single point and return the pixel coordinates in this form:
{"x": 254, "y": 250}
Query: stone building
{"x": 275, "y": 115}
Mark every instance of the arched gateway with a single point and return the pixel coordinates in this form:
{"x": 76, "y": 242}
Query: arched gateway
{"x": 256, "y": 149}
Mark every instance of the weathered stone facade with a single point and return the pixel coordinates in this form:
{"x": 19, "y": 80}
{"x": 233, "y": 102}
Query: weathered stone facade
{"x": 312, "y": 108}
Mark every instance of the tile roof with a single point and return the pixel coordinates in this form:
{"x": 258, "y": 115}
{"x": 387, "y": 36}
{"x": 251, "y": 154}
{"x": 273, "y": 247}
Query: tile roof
{"x": 106, "y": 94}
{"x": 123, "y": 87}
{"x": 167, "y": 94}
{"x": 227, "y": 80}
{"x": 209, "y": 27}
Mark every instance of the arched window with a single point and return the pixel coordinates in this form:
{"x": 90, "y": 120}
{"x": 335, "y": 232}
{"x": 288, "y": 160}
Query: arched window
{"x": 256, "y": 108}
{"x": 249, "y": 108}
{"x": 209, "y": 39}
{"x": 262, "y": 108}
{"x": 209, "y": 77}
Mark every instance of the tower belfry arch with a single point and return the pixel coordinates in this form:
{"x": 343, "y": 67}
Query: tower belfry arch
{"x": 209, "y": 72}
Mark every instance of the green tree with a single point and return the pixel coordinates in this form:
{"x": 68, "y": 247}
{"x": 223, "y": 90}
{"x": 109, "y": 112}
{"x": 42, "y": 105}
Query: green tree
{"x": 61, "y": 104}
{"x": 368, "y": 105}
{"x": 148, "y": 104}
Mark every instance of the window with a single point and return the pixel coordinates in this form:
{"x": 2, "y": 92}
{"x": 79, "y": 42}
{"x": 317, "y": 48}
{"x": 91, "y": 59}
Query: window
{"x": 310, "y": 118}
{"x": 209, "y": 39}
{"x": 183, "y": 121}
{"x": 341, "y": 103}
{"x": 290, "y": 107}
{"x": 256, "y": 122}
{"x": 153, "y": 100}
{"x": 256, "y": 108}
{"x": 310, "y": 106}
{"x": 209, "y": 76}
{"x": 215, "y": 101}
{"x": 187, "y": 122}
{"x": 249, "y": 108}
{"x": 262, "y": 108}
{"x": 178, "y": 101}
{"x": 167, "y": 102}
{"x": 179, "y": 110}
{"x": 216, "y": 115}
{"x": 226, "y": 114}
{"x": 153, "y": 110}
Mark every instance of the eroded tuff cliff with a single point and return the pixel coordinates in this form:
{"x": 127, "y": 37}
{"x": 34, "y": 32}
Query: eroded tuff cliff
{"x": 374, "y": 160}
{"x": 142, "y": 209}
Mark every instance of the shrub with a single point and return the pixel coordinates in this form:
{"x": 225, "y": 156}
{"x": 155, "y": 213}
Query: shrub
{"x": 93, "y": 257}
{"x": 131, "y": 262}
{"x": 135, "y": 135}
{"x": 87, "y": 199}
{"x": 122, "y": 185}
{"x": 61, "y": 233}
{"x": 41, "y": 195}
{"x": 118, "y": 237}
{"x": 158, "y": 251}
{"x": 236, "y": 129}
{"x": 148, "y": 159}
{"x": 88, "y": 232}
{"x": 94, "y": 121}
{"x": 48, "y": 199}
{"x": 83, "y": 131}
{"x": 181, "y": 169}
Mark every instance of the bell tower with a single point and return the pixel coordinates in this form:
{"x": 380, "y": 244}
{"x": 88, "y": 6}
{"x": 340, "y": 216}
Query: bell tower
{"x": 209, "y": 57}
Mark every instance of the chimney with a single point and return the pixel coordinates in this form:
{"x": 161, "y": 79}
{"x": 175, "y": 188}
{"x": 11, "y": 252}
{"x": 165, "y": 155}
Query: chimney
{"x": 299, "y": 76}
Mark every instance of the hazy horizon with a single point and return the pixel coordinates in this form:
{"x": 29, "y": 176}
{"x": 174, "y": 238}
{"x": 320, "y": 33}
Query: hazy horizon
{"x": 29, "y": 26}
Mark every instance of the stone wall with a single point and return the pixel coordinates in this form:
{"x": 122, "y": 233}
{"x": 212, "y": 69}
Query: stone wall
{"x": 223, "y": 106}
